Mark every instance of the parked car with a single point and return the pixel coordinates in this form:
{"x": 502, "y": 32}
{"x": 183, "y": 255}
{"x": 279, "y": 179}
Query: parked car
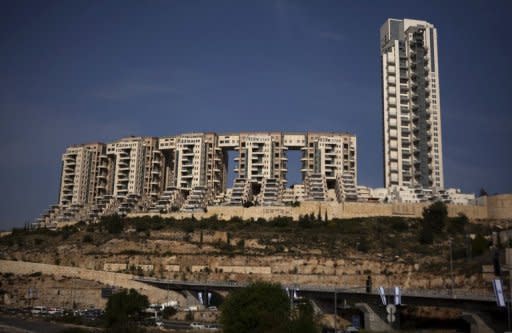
{"x": 39, "y": 310}
{"x": 212, "y": 327}
{"x": 196, "y": 325}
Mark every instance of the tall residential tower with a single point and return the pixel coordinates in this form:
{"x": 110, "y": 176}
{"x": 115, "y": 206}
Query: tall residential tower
{"x": 413, "y": 150}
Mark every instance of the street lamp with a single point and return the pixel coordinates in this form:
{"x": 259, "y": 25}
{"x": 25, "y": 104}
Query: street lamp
{"x": 451, "y": 266}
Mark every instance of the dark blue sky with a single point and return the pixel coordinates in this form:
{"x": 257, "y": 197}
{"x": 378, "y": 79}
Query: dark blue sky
{"x": 81, "y": 71}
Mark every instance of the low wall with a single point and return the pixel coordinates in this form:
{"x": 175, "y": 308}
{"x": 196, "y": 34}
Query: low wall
{"x": 496, "y": 207}
{"x": 499, "y": 206}
{"x": 109, "y": 278}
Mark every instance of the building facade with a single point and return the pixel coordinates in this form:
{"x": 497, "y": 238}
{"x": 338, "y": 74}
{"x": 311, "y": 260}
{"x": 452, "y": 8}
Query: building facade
{"x": 194, "y": 167}
{"x": 413, "y": 150}
{"x": 79, "y": 174}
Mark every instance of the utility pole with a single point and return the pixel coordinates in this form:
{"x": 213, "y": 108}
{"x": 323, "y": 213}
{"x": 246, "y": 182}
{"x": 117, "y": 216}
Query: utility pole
{"x": 508, "y": 267}
{"x": 335, "y": 308}
{"x": 451, "y": 267}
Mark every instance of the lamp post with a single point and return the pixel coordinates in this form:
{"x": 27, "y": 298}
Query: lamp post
{"x": 451, "y": 267}
{"x": 335, "y": 308}
{"x": 508, "y": 267}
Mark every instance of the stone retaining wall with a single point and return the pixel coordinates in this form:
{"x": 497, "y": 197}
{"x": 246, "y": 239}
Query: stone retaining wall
{"x": 497, "y": 207}
{"x": 122, "y": 280}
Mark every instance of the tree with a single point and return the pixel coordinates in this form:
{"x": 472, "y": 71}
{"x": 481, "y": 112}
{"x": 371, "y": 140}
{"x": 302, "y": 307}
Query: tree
{"x": 426, "y": 234}
{"x": 264, "y": 307}
{"x": 456, "y": 225}
{"x": 123, "y": 309}
{"x": 258, "y": 308}
{"x": 112, "y": 223}
{"x": 483, "y": 192}
{"x": 479, "y": 245}
{"x": 435, "y": 215}
{"x": 168, "y": 312}
{"x": 303, "y": 320}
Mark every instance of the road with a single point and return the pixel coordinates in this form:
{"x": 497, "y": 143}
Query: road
{"x": 11, "y": 324}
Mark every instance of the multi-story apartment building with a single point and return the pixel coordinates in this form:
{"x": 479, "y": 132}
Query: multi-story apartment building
{"x": 329, "y": 154}
{"x": 128, "y": 155}
{"x": 79, "y": 174}
{"x": 190, "y": 170}
{"x": 190, "y": 160}
{"x": 413, "y": 151}
{"x": 261, "y": 156}
{"x": 150, "y": 148}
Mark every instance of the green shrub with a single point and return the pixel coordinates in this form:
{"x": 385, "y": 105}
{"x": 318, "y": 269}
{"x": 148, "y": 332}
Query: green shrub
{"x": 87, "y": 239}
{"x": 112, "y": 223}
{"x": 457, "y": 224}
{"x": 479, "y": 245}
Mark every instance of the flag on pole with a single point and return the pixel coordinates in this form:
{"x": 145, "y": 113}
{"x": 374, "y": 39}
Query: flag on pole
{"x": 382, "y": 296}
{"x": 200, "y": 296}
{"x": 398, "y": 295}
{"x": 498, "y": 292}
{"x": 209, "y": 298}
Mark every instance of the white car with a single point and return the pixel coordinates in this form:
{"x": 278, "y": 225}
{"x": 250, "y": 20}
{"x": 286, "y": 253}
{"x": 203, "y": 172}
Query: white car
{"x": 39, "y": 310}
{"x": 196, "y": 325}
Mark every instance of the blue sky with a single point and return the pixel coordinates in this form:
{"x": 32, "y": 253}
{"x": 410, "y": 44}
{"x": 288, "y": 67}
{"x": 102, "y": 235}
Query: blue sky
{"x": 82, "y": 71}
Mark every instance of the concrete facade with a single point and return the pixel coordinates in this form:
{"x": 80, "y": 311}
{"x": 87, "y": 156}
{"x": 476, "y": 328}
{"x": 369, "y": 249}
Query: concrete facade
{"x": 189, "y": 172}
{"x": 413, "y": 149}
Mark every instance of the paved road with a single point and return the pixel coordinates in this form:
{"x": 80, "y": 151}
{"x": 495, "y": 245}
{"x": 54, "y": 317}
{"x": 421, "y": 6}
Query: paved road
{"x": 10, "y": 324}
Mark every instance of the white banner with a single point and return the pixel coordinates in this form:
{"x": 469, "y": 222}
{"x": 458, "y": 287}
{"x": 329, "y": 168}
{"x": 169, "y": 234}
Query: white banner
{"x": 209, "y": 298}
{"x": 498, "y": 292}
{"x": 382, "y": 296}
{"x": 398, "y": 295}
{"x": 200, "y": 296}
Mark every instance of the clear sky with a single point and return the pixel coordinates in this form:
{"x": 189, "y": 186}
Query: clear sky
{"x": 81, "y": 71}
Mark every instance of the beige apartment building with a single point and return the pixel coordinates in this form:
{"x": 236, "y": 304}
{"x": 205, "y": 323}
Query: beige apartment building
{"x": 79, "y": 174}
{"x": 188, "y": 171}
{"x": 413, "y": 149}
{"x": 128, "y": 155}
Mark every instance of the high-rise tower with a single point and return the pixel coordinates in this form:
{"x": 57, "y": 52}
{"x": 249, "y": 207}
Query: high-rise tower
{"x": 413, "y": 150}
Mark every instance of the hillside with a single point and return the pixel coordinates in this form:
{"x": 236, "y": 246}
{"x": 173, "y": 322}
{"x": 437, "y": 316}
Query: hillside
{"x": 311, "y": 251}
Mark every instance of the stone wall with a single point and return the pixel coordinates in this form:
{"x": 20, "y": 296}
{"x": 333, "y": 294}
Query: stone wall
{"x": 494, "y": 207}
{"x": 154, "y": 294}
{"x": 499, "y": 206}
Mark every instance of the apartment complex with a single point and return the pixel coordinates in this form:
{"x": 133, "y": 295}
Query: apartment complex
{"x": 190, "y": 171}
{"x": 413, "y": 151}
{"x": 79, "y": 174}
